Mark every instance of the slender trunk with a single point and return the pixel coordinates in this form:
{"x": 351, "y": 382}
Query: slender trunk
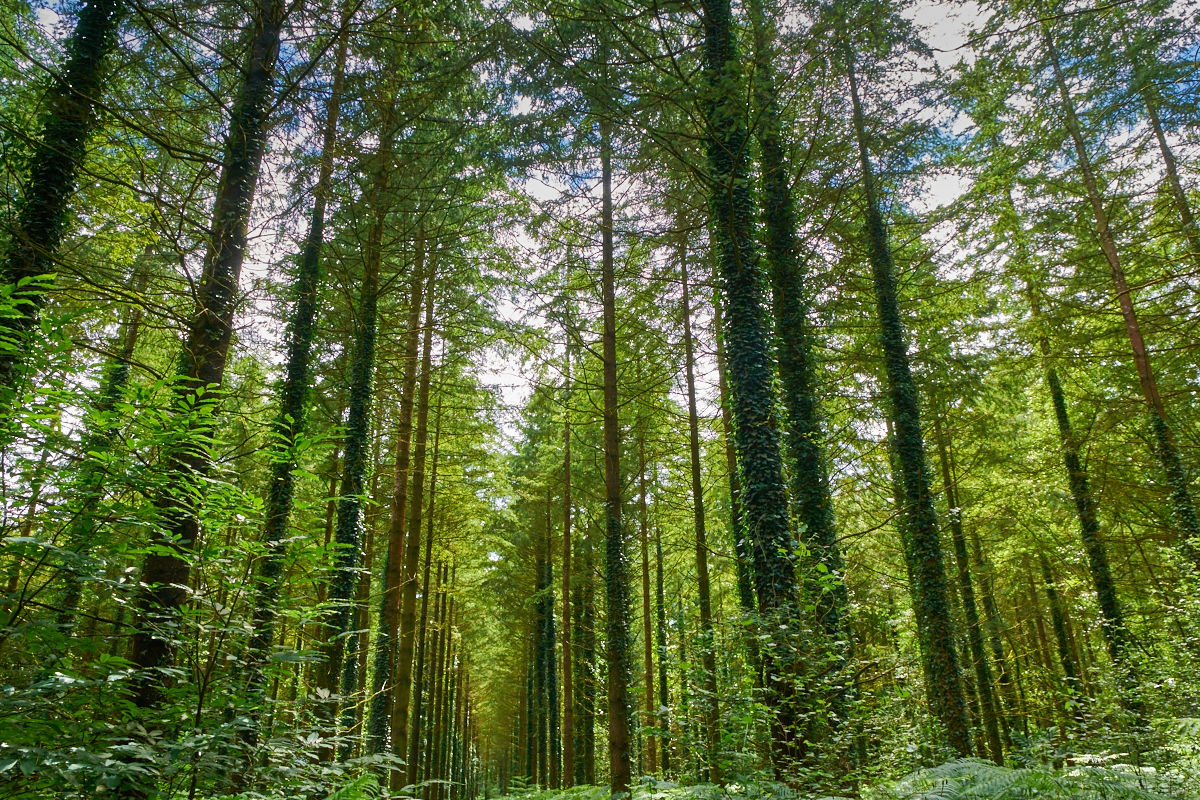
{"x": 755, "y": 431}
{"x": 712, "y": 715}
{"x": 924, "y": 551}
{"x": 166, "y": 572}
{"x": 664, "y": 697}
{"x": 568, "y": 672}
{"x": 412, "y": 546}
{"x": 347, "y": 534}
{"x": 616, "y": 568}
{"x": 290, "y": 423}
{"x": 809, "y": 484}
{"x": 651, "y": 748}
{"x": 995, "y": 624}
{"x": 983, "y": 672}
{"x": 550, "y": 661}
{"x": 1182, "y": 505}
{"x": 58, "y": 153}
{"x": 1065, "y": 657}
{"x": 414, "y": 745}
{"x": 383, "y": 690}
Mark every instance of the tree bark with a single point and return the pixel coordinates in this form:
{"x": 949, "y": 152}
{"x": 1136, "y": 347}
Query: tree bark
{"x": 1182, "y": 504}
{"x": 568, "y": 671}
{"x": 412, "y": 547}
{"x": 384, "y": 688}
{"x": 983, "y": 673}
{"x": 616, "y": 568}
{"x": 58, "y": 154}
{"x": 290, "y": 423}
{"x": 712, "y": 715}
{"x": 755, "y": 431}
{"x": 166, "y": 571}
{"x": 924, "y": 551}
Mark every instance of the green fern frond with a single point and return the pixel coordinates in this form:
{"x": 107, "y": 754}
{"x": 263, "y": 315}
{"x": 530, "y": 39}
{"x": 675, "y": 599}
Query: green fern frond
{"x": 365, "y": 787}
{"x": 974, "y": 779}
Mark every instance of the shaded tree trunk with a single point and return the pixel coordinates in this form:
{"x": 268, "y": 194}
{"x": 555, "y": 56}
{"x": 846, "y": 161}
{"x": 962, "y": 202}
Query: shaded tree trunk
{"x": 983, "y": 672}
{"x": 412, "y": 546}
{"x": 712, "y": 715}
{"x": 414, "y": 745}
{"x": 616, "y": 568}
{"x": 384, "y": 688}
{"x": 568, "y": 671}
{"x": 290, "y": 422}
{"x": 58, "y": 154}
{"x": 166, "y": 571}
{"x": 1182, "y": 504}
{"x": 923, "y": 544}
{"x": 755, "y": 430}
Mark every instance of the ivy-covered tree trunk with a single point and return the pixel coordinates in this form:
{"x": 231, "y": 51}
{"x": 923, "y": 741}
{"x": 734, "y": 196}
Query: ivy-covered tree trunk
{"x": 983, "y": 673}
{"x": 744, "y": 560}
{"x": 1058, "y": 619}
{"x": 166, "y": 569}
{"x": 1182, "y": 505}
{"x": 616, "y": 567}
{"x": 340, "y": 673}
{"x": 412, "y": 545}
{"x": 58, "y": 153}
{"x": 383, "y": 686}
{"x": 994, "y": 623}
{"x": 923, "y": 543}
{"x": 1113, "y": 627}
{"x": 550, "y": 666}
{"x": 755, "y": 432}
{"x": 809, "y": 481}
{"x": 290, "y": 422}
{"x": 712, "y": 715}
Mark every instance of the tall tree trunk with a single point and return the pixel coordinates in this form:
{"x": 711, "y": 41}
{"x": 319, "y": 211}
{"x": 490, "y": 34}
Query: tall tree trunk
{"x": 550, "y": 661}
{"x": 414, "y": 745}
{"x": 290, "y": 422}
{"x": 664, "y": 696}
{"x": 58, "y": 154}
{"x": 1058, "y": 620}
{"x": 412, "y": 546}
{"x": 755, "y": 431}
{"x": 995, "y": 624}
{"x": 924, "y": 551}
{"x": 1182, "y": 504}
{"x": 166, "y": 570}
{"x": 743, "y": 557}
{"x": 712, "y": 715}
{"x": 568, "y": 671}
{"x": 650, "y": 748}
{"x": 340, "y": 672}
{"x": 616, "y": 567}
{"x": 983, "y": 672}
{"x": 383, "y": 691}
{"x": 809, "y": 484}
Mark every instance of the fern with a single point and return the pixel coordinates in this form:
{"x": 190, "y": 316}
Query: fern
{"x": 972, "y": 778}
{"x": 365, "y": 787}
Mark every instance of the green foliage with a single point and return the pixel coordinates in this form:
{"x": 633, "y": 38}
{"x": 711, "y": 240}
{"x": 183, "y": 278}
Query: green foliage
{"x": 971, "y": 778}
